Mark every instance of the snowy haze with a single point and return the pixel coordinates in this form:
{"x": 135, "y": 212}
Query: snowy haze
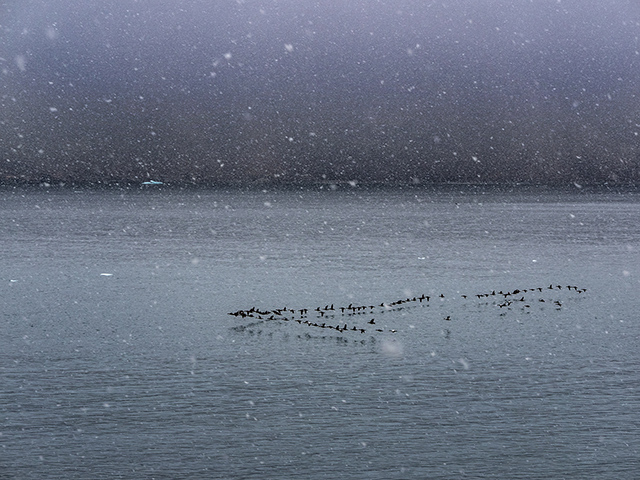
{"x": 304, "y": 91}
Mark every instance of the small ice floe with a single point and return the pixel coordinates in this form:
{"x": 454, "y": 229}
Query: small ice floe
{"x": 152, "y": 182}
{"x": 106, "y": 274}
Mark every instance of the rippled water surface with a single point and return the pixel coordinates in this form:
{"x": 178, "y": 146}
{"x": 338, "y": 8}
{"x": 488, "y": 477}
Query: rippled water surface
{"x": 119, "y": 359}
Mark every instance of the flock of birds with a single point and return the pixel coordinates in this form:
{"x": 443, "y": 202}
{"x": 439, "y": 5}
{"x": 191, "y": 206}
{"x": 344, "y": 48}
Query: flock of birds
{"x": 360, "y": 319}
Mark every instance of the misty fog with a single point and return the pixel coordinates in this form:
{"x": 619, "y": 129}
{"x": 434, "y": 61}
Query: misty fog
{"x": 304, "y": 92}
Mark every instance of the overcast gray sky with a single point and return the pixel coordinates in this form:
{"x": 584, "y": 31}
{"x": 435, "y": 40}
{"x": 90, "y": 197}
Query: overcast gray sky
{"x": 301, "y": 91}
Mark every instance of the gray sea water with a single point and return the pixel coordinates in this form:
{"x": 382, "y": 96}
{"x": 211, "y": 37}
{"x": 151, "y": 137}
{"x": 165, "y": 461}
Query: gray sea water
{"x": 119, "y": 359}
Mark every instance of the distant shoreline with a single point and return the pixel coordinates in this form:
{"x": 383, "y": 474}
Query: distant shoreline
{"x": 323, "y": 185}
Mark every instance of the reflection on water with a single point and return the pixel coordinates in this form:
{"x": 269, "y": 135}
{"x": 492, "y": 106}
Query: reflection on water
{"x": 143, "y": 373}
